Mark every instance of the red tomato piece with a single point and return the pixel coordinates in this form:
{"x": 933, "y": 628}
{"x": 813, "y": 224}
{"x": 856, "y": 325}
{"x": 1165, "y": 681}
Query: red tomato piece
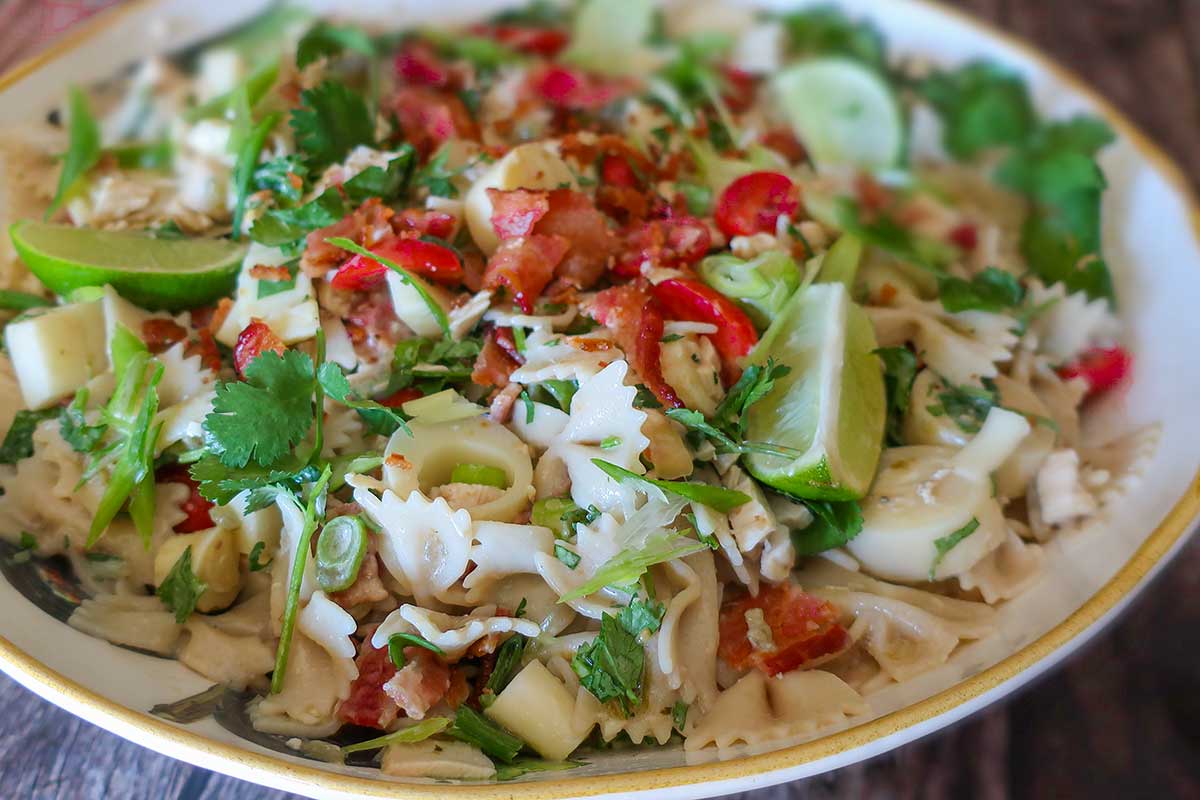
{"x": 965, "y": 237}
{"x": 804, "y": 630}
{"x": 524, "y": 266}
{"x": 367, "y": 704}
{"x": 254, "y": 340}
{"x": 573, "y": 89}
{"x": 419, "y": 65}
{"x": 673, "y": 242}
{"x": 636, "y": 320}
{"x": 400, "y": 397}
{"x": 753, "y": 203}
{"x": 691, "y": 300}
{"x": 427, "y": 259}
{"x": 430, "y": 117}
{"x": 515, "y": 212}
{"x": 1102, "y": 368}
{"x": 195, "y": 506}
{"x": 527, "y": 38}
{"x": 615, "y": 171}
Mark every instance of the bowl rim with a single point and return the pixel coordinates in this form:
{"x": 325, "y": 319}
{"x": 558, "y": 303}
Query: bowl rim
{"x": 930, "y": 713}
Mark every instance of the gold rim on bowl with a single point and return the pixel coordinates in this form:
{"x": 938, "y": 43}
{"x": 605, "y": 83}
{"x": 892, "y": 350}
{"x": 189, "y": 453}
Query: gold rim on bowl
{"x": 275, "y": 771}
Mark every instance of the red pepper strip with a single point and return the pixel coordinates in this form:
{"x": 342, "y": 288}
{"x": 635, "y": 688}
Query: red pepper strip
{"x": 427, "y": 259}
{"x": 195, "y": 506}
{"x": 691, "y": 300}
{"x": 1102, "y": 368}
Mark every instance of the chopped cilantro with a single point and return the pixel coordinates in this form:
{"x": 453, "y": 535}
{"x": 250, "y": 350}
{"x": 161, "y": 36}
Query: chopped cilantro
{"x": 181, "y": 589}
{"x": 982, "y": 105}
{"x": 332, "y": 119}
{"x": 827, "y": 31}
{"x": 256, "y": 564}
{"x": 833, "y": 525}
{"x": 990, "y": 290}
{"x": 382, "y": 418}
{"x": 285, "y": 177}
{"x": 609, "y": 442}
{"x": 566, "y": 555}
{"x": 611, "y": 665}
{"x": 641, "y": 615}
{"x": 436, "y": 177}
{"x": 967, "y": 406}
{"x": 18, "y": 442}
{"x": 947, "y": 543}
{"x": 887, "y": 234}
{"x": 899, "y": 372}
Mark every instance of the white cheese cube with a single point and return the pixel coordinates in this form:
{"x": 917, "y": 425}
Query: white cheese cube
{"x": 56, "y": 352}
{"x": 537, "y": 707}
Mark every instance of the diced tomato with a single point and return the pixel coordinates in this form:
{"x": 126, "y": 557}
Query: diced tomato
{"x": 688, "y": 299}
{"x": 419, "y": 65}
{"x": 426, "y": 223}
{"x": 753, "y": 203}
{"x": 430, "y": 117}
{"x": 367, "y": 704}
{"x": 254, "y": 340}
{"x": 160, "y": 334}
{"x": 573, "y": 89}
{"x": 527, "y": 38}
{"x": 632, "y": 313}
{"x": 574, "y": 217}
{"x": 515, "y": 212}
{"x": 615, "y": 171}
{"x": 400, "y": 397}
{"x": 427, "y": 259}
{"x": 965, "y": 237}
{"x": 524, "y": 266}
{"x": 673, "y": 242}
{"x": 494, "y": 363}
{"x": 740, "y": 87}
{"x": 195, "y": 506}
{"x": 804, "y": 630}
{"x": 1102, "y": 368}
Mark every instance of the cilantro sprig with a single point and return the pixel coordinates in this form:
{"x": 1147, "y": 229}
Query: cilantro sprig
{"x": 612, "y": 664}
{"x": 899, "y": 372}
{"x": 332, "y": 120}
{"x": 715, "y": 497}
{"x": 181, "y": 589}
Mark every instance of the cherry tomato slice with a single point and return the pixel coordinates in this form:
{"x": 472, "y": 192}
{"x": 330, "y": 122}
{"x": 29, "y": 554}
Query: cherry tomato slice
{"x": 527, "y": 38}
{"x": 195, "y": 506}
{"x": 400, "y": 397}
{"x": 804, "y": 629}
{"x": 1102, "y": 368}
{"x": 691, "y": 300}
{"x": 428, "y": 259}
{"x": 753, "y": 203}
{"x": 254, "y": 340}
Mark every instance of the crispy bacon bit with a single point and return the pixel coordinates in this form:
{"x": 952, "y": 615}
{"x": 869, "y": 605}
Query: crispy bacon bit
{"x": 367, "y": 225}
{"x": 634, "y": 317}
{"x": 504, "y": 338}
{"x": 514, "y": 213}
{"x": 205, "y": 346}
{"x": 266, "y": 272}
{"x": 367, "y": 704}
{"x": 573, "y": 89}
{"x": 784, "y": 141}
{"x": 397, "y": 461}
{"x": 195, "y": 506}
{"x": 160, "y": 334}
{"x": 460, "y": 688}
{"x": 887, "y": 293}
{"x": 804, "y": 631}
{"x": 420, "y": 684}
{"x": 524, "y": 266}
{"x": 872, "y": 194}
{"x": 425, "y": 223}
{"x": 254, "y": 340}
{"x": 367, "y": 587}
{"x": 501, "y": 406}
{"x": 430, "y": 117}
{"x": 218, "y": 316}
{"x": 493, "y": 365}
{"x": 372, "y": 314}
{"x": 675, "y": 242}
{"x": 591, "y": 244}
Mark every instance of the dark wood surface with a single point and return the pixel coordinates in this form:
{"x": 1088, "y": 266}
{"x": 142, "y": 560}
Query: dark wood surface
{"x": 1120, "y": 720}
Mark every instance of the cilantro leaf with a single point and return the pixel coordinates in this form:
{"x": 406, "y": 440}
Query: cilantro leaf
{"x": 436, "y": 177}
{"x": 219, "y": 483}
{"x": 611, "y": 665}
{"x": 826, "y": 30}
{"x": 833, "y": 525}
{"x": 83, "y": 147}
{"x": 73, "y": 427}
{"x": 982, "y": 105}
{"x": 899, "y": 372}
{"x": 284, "y": 176}
{"x": 263, "y": 417}
{"x": 18, "y": 442}
{"x": 715, "y": 497}
{"x": 181, "y": 589}
{"x": 966, "y": 405}
{"x": 756, "y": 382}
{"x": 641, "y": 615}
{"x": 947, "y": 543}
{"x": 990, "y": 290}
{"x": 566, "y": 555}
{"x": 327, "y": 39}
{"x": 332, "y": 120}
{"x": 887, "y": 234}
{"x": 382, "y": 418}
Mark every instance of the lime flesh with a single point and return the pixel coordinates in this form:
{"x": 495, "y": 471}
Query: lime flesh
{"x": 830, "y": 407}
{"x": 153, "y": 273}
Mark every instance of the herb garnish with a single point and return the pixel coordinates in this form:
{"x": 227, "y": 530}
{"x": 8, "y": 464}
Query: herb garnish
{"x": 947, "y": 543}
{"x": 181, "y": 589}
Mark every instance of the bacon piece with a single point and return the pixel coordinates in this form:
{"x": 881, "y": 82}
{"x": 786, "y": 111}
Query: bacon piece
{"x": 425, "y": 223}
{"x": 634, "y": 317}
{"x": 493, "y": 365}
{"x": 372, "y": 317}
{"x": 783, "y": 141}
{"x": 254, "y": 340}
{"x": 573, "y": 216}
{"x": 460, "y": 688}
{"x": 266, "y": 272}
{"x": 420, "y": 684}
{"x": 500, "y": 409}
{"x": 367, "y": 704}
{"x": 160, "y": 334}
{"x": 804, "y": 630}
{"x": 205, "y": 346}
{"x": 515, "y": 212}
{"x": 524, "y": 266}
{"x": 367, "y": 587}
{"x": 367, "y": 225}
{"x": 430, "y": 117}
{"x": 674, "y": 242}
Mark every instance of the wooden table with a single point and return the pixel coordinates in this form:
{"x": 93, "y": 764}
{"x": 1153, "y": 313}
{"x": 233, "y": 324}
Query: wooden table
{"x": 1121, "y": 720}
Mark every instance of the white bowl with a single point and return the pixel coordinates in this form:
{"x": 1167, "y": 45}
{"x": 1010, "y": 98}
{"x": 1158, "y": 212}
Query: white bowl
{"x": 1151, "y": 240}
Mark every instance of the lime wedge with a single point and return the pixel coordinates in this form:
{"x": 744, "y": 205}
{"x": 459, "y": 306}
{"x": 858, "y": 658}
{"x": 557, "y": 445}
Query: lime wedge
{"x": 830, "y": 407}
{"x": 153, "y": 273}
{"x": 842, "y": 112}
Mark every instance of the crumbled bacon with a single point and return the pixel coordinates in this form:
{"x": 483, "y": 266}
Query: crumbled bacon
{"x": 524, "y": 266}
{"x": 372, "y": 314}
{"x": 367, "y": 587}
{"x": 425, "y": 223}
{"x": 500, "y": 409}
{"x": 636, "y": 320}
{"x": 367, "y": 225}
{"x": 266, "y": 272}
{"x": 367, "y": 704}
{"x": 591, "y": 244}
{"x": 420, "y": 684}
{"x": 783, "y": 141}
{"x": 254, "y": 340}
{"x": 460, "y": 688}
{"x": 430, "y": 117}
{"x": 205, "y": 346}
{"x": 515, "y": 212}
{"x": 493, "y": 365}
{"x": 160, "y": 334}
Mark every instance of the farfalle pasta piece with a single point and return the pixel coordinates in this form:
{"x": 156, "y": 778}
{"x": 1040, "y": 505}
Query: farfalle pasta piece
{"x": 502, "y": 549}
{"x": 451, "y": 633}
{"x": 557, "y": 356}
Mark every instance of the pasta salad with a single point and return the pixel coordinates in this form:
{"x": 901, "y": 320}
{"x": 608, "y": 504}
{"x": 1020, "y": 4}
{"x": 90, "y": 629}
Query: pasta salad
{"x": 469, "y": 398}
